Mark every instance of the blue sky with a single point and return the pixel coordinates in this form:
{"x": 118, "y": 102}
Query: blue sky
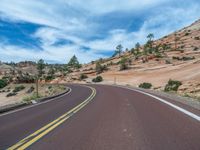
{"x": 56, "y": 30}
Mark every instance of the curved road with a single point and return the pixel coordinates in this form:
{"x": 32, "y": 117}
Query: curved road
{"x": 101, "y": 118}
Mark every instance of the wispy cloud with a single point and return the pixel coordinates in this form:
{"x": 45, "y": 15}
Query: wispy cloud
{"x": 90, "y": 29}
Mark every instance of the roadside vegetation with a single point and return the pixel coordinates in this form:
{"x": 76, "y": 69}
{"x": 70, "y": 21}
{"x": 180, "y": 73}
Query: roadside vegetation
{"x": 47, "y": 90}
{"x": 19, "y": 88}
{"x": 172, "y": 85}
{"x": 3, "y": 83}
{"x": 29, "y": 79}
{"x": 123, "y": 63}
{"x": 34, "y": 96}
{"x": 97, "y": 79}
{"x": 145, "y": 85}
{"x": 100, "y": 68}
{"x": 83, "y": 76}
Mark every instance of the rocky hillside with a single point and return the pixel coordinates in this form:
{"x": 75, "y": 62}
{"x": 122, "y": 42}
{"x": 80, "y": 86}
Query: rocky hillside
{"x": 175, "y": 56}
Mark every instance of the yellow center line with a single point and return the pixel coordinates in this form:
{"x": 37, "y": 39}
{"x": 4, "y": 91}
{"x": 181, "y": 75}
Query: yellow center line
{"x": 29, "y": 140}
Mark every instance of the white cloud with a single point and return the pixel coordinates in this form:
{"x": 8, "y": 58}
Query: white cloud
{"x": 49, "y": 36}
{"x": 60, "y": 54}
{"x": 54, "y": 14}
{"x": 105, "y": 6}
{"x": 164, "y": 22}
{"x": 73, "y": 20}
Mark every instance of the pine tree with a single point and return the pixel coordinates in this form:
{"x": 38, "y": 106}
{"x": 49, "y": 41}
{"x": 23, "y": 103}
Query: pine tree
{"x": 40, "y": 67}
{"x": 74, "y": 63}
{"x": 119, "y": 49}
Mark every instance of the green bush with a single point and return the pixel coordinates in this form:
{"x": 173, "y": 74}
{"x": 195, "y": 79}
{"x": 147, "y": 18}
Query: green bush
{"x": 172, "y": 85}
{"x": 8, "y": 79}
{"x": 3, "y": 83}
{"x": 83, "y": 76}
{"x": 11, "y": 94}
{"x": 184, "y": 58}
{"x": 186, "y": 34}
{"x": 197, "y": 38}
{"x": 145, "y": 85}
{"x": 123, "y": 64}
{"x": 49, "y": 78}
{"x": 50, "y": 87}
{"x": 100, "y": 68}
{"x": 195, "y": 49}
{"x": 32, "y": 97}
{"x": 18, "y": 88}
{"x": 188, "y": 58}
{"x": 97, "y": 79}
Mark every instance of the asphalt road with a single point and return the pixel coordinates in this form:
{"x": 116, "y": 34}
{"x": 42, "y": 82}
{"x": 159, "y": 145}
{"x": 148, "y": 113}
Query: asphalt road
{"x": 101, "y": 118}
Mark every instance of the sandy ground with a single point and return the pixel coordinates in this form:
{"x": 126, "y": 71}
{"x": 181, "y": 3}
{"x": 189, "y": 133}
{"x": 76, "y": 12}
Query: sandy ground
{"x": 158, "y": 75}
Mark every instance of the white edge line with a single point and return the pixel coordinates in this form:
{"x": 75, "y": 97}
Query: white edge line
{"x": 194, "y": 116}
{"x": 40, "y": 103}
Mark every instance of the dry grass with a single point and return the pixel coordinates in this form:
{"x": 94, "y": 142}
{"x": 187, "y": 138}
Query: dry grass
{"x": 44, "y": 91}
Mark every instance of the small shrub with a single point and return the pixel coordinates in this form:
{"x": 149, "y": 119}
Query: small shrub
{"x": 18, "y": 88}
{"x": 145, "y": 85}
{"x": 197, "y": 38}
{"x": 3, "y": 83}
{"x": 97, "y": 79}
{"x": 49, "y": 78}
{"x": 172, "y": 85}
{"x": 25, "y": 78}
{"x": 158, "y": 55}
{"x": 100, "y": 68}
{"x": 186, "y": 34}
{"x": 176, "y": 58}
{"x": 30, "y": 90}
{"x": 123, "y": 64}
{"x": 187, "y": 95}
{"x": 50, "y": 87}
{"x": 195, "y": 49}
{"x": 7, "y": 78}
{"x": 32, "y": 97}
{"x": 83, "y": 76}
{"x": 188, "y": 58}
{"x": 11, "y": 94}
{"x": 183, "y": 58}
{"x": 182, "y": 46}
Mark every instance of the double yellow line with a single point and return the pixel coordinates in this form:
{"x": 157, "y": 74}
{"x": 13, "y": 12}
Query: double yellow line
{"x": 29, "y": 140}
